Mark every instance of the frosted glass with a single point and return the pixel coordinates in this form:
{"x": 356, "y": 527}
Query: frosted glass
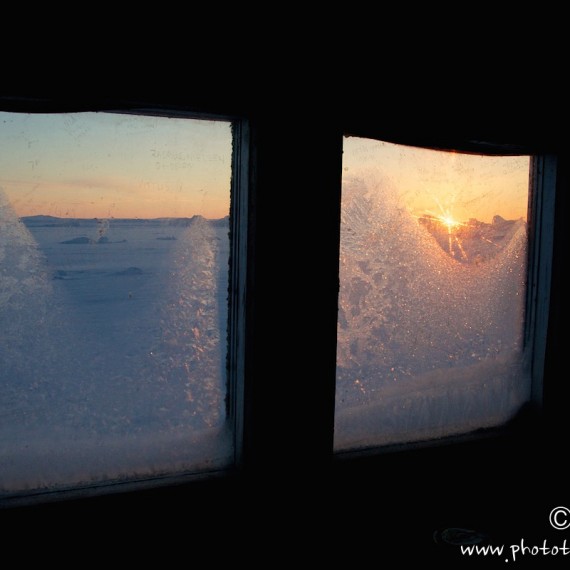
{"x": 432, "y": 294}
{"x": 113, "y": 327}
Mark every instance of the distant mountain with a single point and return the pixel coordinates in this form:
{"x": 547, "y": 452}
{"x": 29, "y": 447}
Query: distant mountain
{"x": 221, "y": 222}
{"x": 196, "y": 219}
{"x": 41, "y": 219}
{"x": 53, "y": 221}
{"x": 49, "y": 221}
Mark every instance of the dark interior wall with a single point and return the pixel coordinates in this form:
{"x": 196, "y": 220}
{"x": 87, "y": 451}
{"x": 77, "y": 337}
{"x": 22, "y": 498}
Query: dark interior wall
{"x": 392, "y": 503}
{"x": 491, "y": 116}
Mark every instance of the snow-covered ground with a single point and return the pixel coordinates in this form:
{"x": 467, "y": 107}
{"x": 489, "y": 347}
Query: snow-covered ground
{"x": 113, "y": 348}
{"x": 430, "y": 322}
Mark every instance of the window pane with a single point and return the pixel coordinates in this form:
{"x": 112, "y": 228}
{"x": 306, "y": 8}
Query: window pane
{"x": 114, "y": 257}
{"x": 432, "y": 293}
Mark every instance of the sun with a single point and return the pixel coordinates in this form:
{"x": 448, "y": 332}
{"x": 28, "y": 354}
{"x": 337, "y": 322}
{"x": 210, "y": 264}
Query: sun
{"x": 447, "y": 228}
{"x": 449, "y": 221}
{"x": 445, "y": 219}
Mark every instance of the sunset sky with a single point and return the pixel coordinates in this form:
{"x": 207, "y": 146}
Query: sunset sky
{"x": 105, "y": 165}
{"x": 461, "y": 185}
{"x": 88, "y": 165}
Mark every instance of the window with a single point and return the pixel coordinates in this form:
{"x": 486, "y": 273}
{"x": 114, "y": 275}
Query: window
{"x": 117, "y": 361}
{"x": 433, "y": 288}
{"x": 257, "y": 368}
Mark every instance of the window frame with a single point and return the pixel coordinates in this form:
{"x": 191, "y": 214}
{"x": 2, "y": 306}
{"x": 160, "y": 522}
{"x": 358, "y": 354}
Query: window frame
{"x": 264, "y": 161}
{"x": 236, "y": 333}
{"x": 541, "y": 221}
{"x": 542, "y": 197}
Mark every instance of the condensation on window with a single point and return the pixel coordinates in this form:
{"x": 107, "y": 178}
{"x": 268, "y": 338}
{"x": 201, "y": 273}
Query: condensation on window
{"x": 114, "y": 249}
{"x": 432, "y": 293}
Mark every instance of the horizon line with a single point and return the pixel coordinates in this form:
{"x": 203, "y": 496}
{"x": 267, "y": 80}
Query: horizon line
{"x": 120, "y": 218}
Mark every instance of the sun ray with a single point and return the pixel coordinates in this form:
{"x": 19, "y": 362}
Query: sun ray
{"x": 461, "y": 250}
{"x": 449, "y": 229}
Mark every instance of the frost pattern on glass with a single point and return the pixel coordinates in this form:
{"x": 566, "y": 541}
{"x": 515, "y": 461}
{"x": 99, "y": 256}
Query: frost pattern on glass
{"x": 113, "y": 335}
{"x": 113, "y": 362}
{"x": 430, "y": 320}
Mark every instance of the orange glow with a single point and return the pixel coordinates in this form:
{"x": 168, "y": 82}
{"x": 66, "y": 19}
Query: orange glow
{"x": 107, "y": 165}
{"x": 445, "y": 217}
{"x": 449, "y": 222}
{"x": 457, "y": 187}
{"x": 451, "y": 226}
